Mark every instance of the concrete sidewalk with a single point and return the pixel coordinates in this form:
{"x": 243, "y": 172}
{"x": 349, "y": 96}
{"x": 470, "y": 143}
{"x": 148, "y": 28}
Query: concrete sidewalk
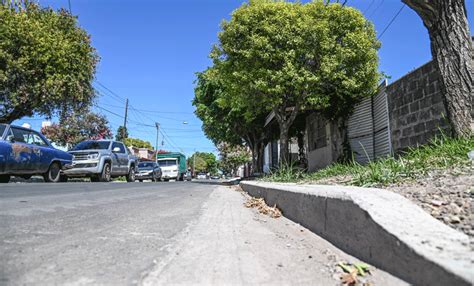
{"x": 231, "y": 244}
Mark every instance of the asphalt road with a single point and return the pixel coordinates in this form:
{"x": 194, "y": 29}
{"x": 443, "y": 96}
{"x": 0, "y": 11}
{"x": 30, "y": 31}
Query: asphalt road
{"x": 154, "y": 234}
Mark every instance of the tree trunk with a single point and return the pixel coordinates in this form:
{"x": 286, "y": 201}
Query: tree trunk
{"x": 285, "y": 121}
{"x": 260, "y": 157}
{"x": 453, "y": 52}
{"x": 284, "y": 145}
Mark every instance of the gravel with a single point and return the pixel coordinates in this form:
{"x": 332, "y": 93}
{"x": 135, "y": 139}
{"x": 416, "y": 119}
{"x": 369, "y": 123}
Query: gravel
{"x": 447, "y": 195}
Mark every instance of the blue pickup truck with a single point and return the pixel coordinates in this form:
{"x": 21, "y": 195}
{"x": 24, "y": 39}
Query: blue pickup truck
{"x": 25, "y": 152}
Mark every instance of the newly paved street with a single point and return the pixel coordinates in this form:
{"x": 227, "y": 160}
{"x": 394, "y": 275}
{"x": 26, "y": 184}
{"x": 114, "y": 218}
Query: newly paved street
{"x": 154, "y": 234}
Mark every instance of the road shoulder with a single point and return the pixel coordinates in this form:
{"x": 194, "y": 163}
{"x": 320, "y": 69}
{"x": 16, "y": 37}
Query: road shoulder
{"x": 231, "y": 244}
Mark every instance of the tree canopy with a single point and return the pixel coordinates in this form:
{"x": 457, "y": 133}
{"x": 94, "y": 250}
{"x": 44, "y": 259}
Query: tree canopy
{"x": 203, "y": 162}
{"x": 286, "y": 57}
{"x": 138, "y": 143}
{"x": 75, "y": 128}
{"x": 47, "y": 63}
{"x": 231, "y": 157}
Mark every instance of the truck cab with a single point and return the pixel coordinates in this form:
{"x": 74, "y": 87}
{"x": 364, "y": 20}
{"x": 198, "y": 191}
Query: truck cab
{"x": 173, "y": 166}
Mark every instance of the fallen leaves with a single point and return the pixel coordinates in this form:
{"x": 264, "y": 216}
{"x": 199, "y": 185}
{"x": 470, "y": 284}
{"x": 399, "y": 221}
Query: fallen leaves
{"x": 262, "y": 207}
{"x": 352, "y": 271}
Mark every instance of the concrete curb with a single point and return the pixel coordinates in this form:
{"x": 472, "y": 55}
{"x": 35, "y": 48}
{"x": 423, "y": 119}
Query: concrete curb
{"x": 230, "y": 182}
{"x": 378, "y": 226}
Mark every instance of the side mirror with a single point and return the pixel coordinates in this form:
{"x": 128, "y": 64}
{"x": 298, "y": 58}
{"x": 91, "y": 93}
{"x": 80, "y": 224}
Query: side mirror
{"x": 116, "y": 150}
{"x": 11, "y": 138}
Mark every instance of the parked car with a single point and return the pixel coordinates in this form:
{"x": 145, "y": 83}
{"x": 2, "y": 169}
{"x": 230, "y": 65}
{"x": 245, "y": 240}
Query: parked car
{"x": 148, "y": 171}
{"x": 102, "y": 160}
{"x": 201, "y": 176}
{"x": 215, "y": 177}
{"x": 25, "y": 152}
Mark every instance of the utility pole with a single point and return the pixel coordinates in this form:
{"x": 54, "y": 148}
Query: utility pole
{"x": 156, "y": 144}
{"x": 126, "y": 113}
{"x": 69, "y": 2}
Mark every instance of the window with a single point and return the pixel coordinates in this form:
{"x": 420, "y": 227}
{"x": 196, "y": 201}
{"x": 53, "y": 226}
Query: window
{"x": 317, "y": 133}
{"x": 38, "y": 140}
{"x": 167, "y": 163}
{"x": 2, "y": 129}
{"x": 92, "y": 145}
{"x": 120, "y": 146}
{"x": 22, "y": 136}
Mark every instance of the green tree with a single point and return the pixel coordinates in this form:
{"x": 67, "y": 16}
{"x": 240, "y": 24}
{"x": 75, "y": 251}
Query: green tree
{"x": 122, "y": 133}
{"x": 203, "y": 162}
{"x": 75, "y": 128}
{"x": 228, "y": 124}
{"x": 284, "y": 57}
{"x": 135, "y": 142}
{"x": 47, "y": 62}
{"x": 232, "y": 157}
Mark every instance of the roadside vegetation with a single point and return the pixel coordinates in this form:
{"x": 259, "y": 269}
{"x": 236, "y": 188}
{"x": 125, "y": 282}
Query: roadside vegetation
{"x": 442, "y": 153}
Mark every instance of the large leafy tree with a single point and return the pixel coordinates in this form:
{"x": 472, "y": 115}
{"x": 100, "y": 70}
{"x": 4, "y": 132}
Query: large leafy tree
{"x": 285, "y": 57}
{"x": 75, "y": 128}
{"x": 203, "y": 162}
{"x": 228, "y": 124}
{"x": 453, "y": 52}
{"x": 47, "y": 62}
{"x": 231, "y": 157}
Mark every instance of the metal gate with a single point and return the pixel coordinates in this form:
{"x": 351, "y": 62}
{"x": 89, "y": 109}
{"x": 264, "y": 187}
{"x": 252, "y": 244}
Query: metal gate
{"x": 368, "y": 128}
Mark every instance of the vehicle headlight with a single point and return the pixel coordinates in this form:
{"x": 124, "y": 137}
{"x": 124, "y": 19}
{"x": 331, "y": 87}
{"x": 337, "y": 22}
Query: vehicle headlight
{"x": 93, "y": 156}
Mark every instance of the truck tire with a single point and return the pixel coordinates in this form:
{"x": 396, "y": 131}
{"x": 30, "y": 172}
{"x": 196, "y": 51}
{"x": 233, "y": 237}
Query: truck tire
{"x": 105, "y": 175}
{"x": 4, "y": 179}
{"x": 53, "y": 175}
{"x": 131, "y": 175}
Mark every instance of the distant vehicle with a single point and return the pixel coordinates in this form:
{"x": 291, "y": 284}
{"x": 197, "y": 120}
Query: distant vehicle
{"x": 173, "y": 166}
{"x": 188, "y": 176}
{"x": 102, "y": 160}
{"x": 25, "y": 152}
{"x": 201, "y": 176}
{"x": 148, "y": 171}
{"x": 215, "y": 177}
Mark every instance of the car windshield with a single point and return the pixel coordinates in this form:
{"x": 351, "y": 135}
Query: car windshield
{"x": 92, "y": 145}
{"x": 146, "y": 165}
{"x": 167, "y": 163}
{"x": 2, "y": 129}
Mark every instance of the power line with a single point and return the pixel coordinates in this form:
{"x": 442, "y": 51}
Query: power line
{"x": 391, "y": 21}
{"x": 370, "y": 5}
{"x": 376, "y": 8}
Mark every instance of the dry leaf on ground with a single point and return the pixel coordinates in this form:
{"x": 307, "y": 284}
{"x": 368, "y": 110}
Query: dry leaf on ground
{"x": 262, "y": 207}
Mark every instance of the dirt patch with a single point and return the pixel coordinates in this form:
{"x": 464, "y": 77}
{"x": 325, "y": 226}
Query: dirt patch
{"x": 447, "y": 195}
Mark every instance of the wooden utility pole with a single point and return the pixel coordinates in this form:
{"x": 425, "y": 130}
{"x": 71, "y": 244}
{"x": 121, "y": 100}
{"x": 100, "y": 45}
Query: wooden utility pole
{"x": 126, "y": 113}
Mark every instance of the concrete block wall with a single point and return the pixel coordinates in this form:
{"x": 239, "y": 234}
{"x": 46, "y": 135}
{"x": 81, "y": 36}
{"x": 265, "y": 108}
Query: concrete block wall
{"x": 416, "y": 109}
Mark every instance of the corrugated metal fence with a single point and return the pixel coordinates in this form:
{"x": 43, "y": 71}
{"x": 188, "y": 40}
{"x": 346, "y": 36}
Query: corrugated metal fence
{"x": 368, "y": 128}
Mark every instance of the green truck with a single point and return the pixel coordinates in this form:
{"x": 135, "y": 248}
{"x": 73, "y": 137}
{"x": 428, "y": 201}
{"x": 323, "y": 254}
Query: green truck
{"x": 173, "y": 166}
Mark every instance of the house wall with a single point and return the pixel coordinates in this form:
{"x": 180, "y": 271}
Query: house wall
{"x": 324, "y": 156}
{"x": 416, "y": 108}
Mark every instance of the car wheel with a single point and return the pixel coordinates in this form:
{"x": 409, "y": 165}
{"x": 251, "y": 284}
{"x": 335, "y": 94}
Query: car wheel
{"x": 4, "y": 178}
{"x": 140, "y": 181}
{"x": 131, "y": 175}
{"x": 105, "y": 176}
{"x": 63, "y": 179}
{"x": 153, "y": 178}
{"x": 95, "y": 179}
{"x": 54, "y": 173}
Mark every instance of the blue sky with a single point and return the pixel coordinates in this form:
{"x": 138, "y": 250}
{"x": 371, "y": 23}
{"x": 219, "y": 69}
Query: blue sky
{"x": 150, "y": 51}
